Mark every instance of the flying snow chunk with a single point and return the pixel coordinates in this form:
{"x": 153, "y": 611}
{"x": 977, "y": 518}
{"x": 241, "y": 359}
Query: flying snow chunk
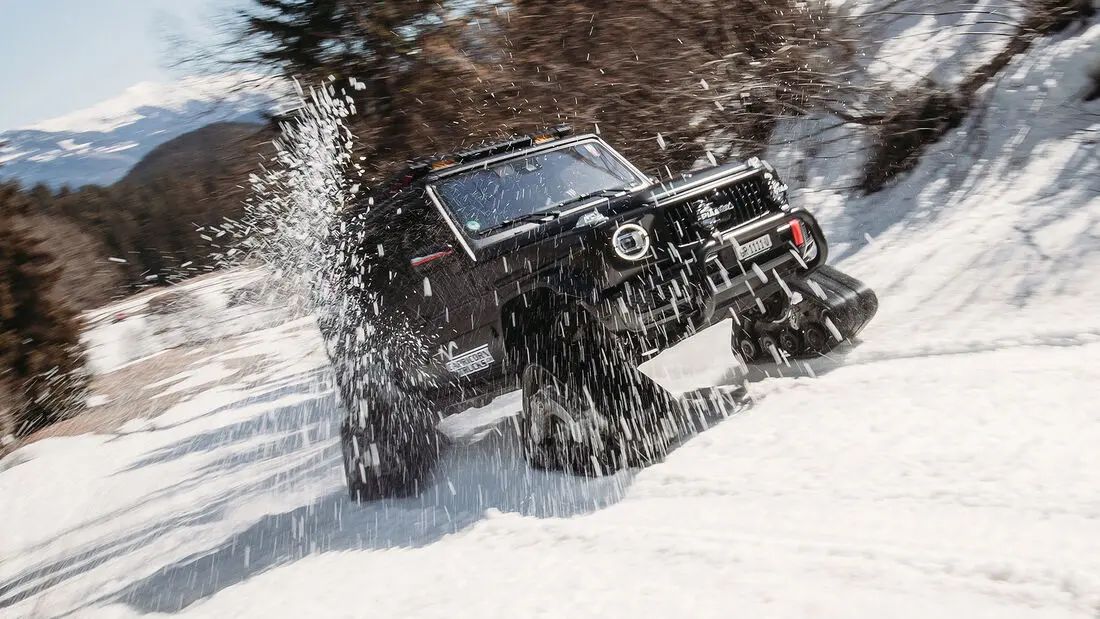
{"x": 818, "y": 290}
{"x": 704, "y": 84}
{"x": 776, "y": 356}
{"x": 660, "y": 141}
{"x": 798, "y": 259}
{"x": 782, "y": 284}
{"x": 118, "y": 260}
{"x": 427, "y": 287}
{"x": 760, "y": 273}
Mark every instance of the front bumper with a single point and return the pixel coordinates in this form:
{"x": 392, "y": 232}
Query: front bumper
{"x": 700, "y": 286}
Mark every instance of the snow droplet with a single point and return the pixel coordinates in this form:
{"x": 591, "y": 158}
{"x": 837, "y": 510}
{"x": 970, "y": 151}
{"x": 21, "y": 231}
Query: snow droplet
{"x": 760, "y": 273}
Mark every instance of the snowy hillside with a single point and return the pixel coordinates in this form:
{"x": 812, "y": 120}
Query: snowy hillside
{"x": 947, "y": 466}
{"x": 100, "y": 144}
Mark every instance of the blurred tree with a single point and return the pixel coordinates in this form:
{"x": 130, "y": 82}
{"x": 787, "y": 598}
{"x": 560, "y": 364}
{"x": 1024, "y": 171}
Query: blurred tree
{"x": 41, "y": 361}
{"x": 373, "y": 43}
{"x": 706, "y": 75}
{"x": 161, "y": 219}
{"x": 427, "y": 77}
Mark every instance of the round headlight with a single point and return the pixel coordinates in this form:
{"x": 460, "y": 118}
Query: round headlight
{"x": 630, "y": 242}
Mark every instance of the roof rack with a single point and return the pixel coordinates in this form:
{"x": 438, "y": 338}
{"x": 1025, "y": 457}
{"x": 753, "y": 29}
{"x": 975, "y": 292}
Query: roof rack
{"x": 482, "y": 152}
{"x": 419, "y": 168}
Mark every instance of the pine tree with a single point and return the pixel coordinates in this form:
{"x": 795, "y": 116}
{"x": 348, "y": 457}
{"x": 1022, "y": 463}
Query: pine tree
{"x": 380, "y": 44}
{"x": 42, "y": 374}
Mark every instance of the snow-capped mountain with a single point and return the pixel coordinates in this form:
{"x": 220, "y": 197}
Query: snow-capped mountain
{"x": 98, "y": 145}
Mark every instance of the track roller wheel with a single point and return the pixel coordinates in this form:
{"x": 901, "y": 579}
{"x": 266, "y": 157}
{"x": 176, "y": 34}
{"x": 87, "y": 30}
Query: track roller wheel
{"x": 746, "y": 348}
{"x": 770, "y": 347}
{"x": 817, "y": 338}
{"x": 790, "y": 341}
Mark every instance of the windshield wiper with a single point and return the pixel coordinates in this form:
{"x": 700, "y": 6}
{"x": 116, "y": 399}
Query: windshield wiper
{"x": 536, "y": 217}
{"x": 554, "y": 213}
{"x": 602, "y": 193}
{"x": 548, "y": 214}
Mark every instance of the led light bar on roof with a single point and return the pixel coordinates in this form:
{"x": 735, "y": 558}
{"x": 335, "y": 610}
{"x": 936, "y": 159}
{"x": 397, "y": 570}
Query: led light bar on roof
{"x": 482, "y": 152}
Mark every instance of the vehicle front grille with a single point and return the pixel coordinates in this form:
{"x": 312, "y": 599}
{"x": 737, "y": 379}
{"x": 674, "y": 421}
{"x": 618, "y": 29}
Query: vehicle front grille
{"x": 735, "y": 204}
{"x": 690, "y": 225}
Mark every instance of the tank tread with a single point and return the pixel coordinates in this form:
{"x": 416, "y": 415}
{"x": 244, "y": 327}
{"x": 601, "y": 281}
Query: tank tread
{"x": 833, "y": 303}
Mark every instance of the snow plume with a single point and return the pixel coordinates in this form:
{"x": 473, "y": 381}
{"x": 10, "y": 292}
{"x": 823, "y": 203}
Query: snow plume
{"x": 307, "y": 223}
{"x": 297, "y": 217}
{"x": 296, "y": 198}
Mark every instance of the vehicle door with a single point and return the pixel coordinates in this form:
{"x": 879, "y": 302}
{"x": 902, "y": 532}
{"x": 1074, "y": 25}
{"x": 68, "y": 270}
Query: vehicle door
{"x": 448, "y": 294}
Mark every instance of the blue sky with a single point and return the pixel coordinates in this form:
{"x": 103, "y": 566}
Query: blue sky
{"x": 58, "y": 56}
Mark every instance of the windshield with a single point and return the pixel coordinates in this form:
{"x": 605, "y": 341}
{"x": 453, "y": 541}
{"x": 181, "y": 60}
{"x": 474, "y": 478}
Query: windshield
{"x": 496, "y": 195}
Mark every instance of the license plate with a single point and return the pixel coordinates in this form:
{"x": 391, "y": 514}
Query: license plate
{"x": 753, "y": 247}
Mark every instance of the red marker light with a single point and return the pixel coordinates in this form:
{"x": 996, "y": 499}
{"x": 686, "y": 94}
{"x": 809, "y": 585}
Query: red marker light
{"x": 796, "y": 232}
{"x": 420, "y": 261}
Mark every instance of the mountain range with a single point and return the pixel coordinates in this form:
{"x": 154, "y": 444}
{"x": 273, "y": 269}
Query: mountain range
{"x": 100, "y": 144}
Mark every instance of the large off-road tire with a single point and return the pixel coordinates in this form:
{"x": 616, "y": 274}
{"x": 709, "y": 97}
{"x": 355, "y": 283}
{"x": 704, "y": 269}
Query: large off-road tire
{"x": 388, "y": 434}
{"x": 588, "y": 410}
{"x": 390, "y": 449}
{"x": 376, "y": 346}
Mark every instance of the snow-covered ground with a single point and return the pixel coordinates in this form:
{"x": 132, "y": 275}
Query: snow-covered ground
{"x": 947, "y": 466}
{"x": 201, "y": 310}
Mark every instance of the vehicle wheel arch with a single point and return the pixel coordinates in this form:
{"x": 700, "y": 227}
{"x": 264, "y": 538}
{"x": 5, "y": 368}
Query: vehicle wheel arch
{"x": 527, "y": 320}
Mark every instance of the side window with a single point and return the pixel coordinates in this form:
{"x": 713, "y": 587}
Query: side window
{"x": 439, "y": 268}
{"x": 385, "y": 244}
{"x": 424, "y": 229}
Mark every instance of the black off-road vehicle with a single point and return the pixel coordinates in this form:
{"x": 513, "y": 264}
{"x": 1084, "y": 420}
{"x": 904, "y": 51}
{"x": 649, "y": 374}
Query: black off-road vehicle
{"x": 551, "y": 263}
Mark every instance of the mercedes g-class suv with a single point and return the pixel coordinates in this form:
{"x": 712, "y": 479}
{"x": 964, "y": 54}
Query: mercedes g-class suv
{"x": 551, "y": 263}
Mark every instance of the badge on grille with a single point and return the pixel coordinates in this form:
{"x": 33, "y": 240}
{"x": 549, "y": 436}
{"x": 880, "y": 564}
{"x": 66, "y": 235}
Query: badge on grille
{"x": 709, "y": 210}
